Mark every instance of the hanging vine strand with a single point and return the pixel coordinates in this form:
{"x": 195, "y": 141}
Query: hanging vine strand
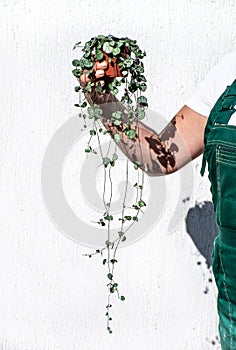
{"x": 124, "y": 69}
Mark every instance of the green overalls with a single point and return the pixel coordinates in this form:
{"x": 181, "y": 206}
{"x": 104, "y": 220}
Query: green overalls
{"x": 220, "y": 153}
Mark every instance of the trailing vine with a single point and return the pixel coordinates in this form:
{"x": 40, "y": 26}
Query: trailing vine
{"x": 125, "y": 68}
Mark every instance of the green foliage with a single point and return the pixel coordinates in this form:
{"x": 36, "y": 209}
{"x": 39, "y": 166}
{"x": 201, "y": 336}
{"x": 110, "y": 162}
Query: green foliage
{"x": 142, "y": 100}
{"x": 113, "y": 261}
{"x": 117, "y": 115}
{"x": 108, "y": 217}
{"x": 77, "y": 88}
{"x": 140, "y": 112}
{"x": 117, "y": 137}
{"x": 106, "y": 161}
{"x": 141, "y": 203}
{"x": 94, "y": 112}
{"x": 114, "y": 157}
{"x": 84, "y": 104}
{"x": 101, "y": 222}
{"x": 143, "y": 86}
{"x": 110, "y": 276}
{"x": 128, "y": 57}
{"x": 121, "y": 233}
{"x": 77, "y": 72}
{"x": 131, "y": 134}
{"x": 99, "y": 55}
{"x": 116, "y": 51}
{"x": 107, "y": 48}
{"x": 92, "y": 132}
{"x": 77, "y": 45}
{"x": 126, "y": 53}
{"x": 137, "y": 164}
{"x": 75, "y": 63}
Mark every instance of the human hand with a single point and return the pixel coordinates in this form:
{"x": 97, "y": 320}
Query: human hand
{"x": 99, "y": 74}
{"x": 103, "y": 73}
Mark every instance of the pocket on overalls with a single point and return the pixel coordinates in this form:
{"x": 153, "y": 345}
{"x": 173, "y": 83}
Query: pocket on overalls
{"x": 223, "y": 262}
{"x": 216, "y": 262}
{"x": 228, "y": 263}
{"x": 226, "y": 186}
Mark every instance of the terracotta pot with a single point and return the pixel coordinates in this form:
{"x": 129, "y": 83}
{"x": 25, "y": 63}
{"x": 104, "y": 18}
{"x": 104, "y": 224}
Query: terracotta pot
{"x": 113, "y": 70}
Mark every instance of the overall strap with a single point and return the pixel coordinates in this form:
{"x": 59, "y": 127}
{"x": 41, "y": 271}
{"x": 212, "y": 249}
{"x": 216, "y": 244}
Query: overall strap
{"x": 228, "y": 105}
{"x": 220, "y": 113}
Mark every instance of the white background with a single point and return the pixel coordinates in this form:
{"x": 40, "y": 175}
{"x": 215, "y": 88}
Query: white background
{"x": 51, "y": 296}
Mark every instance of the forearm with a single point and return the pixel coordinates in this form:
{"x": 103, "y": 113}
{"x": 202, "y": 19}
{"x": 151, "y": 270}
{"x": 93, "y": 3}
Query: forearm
{"x": 146, "y": 149}
{"x": 159, "y": 154}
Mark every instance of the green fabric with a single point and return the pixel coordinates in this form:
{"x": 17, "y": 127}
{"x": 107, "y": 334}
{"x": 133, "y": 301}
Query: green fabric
{"x": 220, "y": 154}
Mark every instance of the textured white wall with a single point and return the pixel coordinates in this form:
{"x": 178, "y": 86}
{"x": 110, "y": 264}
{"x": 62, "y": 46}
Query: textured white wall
{"x": 51, "y": 297}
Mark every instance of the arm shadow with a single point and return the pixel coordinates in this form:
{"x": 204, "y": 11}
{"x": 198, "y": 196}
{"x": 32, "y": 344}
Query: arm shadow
{"x": 201, "y": 227}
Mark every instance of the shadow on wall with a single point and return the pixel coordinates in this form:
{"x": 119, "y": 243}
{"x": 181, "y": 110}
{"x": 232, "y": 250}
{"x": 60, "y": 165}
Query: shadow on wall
{"x": 202, "y": 228}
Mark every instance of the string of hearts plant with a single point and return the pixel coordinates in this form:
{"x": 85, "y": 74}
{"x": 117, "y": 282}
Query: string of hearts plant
{"x": 124, "y": 69}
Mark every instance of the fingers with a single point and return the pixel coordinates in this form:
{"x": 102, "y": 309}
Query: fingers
{"x": 99, "y": 69}
{"x": 84, "y": 78}
{"x": 100, "y": 65}
{"x": 102, "y": 82}
{"x": 99, "y": 73}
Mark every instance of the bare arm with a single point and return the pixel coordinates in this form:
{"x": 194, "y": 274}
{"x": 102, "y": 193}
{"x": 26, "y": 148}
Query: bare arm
{"x": 164, "y": 153}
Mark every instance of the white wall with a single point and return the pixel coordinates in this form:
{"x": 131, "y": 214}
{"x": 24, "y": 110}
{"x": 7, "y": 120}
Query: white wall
{"x": 51, "y": 296}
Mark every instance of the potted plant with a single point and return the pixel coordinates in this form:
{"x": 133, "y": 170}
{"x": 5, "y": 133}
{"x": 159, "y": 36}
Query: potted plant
{"x": 125, "y": 70}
